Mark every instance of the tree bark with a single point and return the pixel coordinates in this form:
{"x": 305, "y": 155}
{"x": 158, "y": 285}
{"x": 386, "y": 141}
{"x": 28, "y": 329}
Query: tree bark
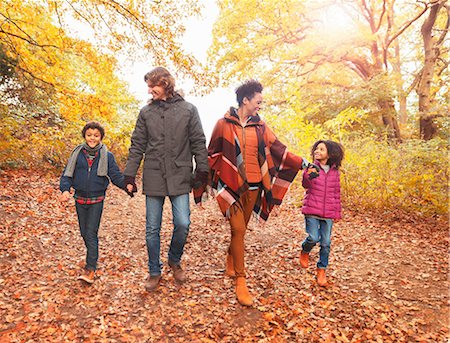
{"x": 428, "y": 128}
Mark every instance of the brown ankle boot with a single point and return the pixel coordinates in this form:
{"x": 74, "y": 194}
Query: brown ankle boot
{"x": 229, "y": 267}
{"x": 304, "y": 259}
{"x": 242, "y": 292}
{"x": 321, "y": 277}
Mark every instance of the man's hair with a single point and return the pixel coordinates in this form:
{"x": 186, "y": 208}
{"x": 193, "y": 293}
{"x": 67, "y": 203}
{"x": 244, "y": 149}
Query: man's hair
{"x": 335, "y": 152}
{"x": 248, "y": 90}
{"x": 93, "y": 125}
{"x": 160, "y": 76}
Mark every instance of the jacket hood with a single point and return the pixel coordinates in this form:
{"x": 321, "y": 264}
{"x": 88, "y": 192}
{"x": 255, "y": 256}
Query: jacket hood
{"x": 177, "y": 97}
{"x": 232, "y": 116}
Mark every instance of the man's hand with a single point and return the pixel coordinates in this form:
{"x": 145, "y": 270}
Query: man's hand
{"x": 200, "y": 179}
{"x": 130, "y": 185}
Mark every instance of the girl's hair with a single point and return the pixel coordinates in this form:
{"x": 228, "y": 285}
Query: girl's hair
{"x": 335, "y": 152}
{"x": 160, "y": 76}
{"x": 93, "y": 125}
{"x": 248, "y": 90}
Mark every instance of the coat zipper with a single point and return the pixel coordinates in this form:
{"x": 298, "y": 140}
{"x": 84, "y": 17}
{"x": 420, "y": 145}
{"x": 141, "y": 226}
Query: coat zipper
{"x": 325, "y": 193}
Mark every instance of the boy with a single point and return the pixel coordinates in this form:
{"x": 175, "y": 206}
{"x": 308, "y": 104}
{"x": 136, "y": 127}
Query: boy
{"x": 88, "y": 171}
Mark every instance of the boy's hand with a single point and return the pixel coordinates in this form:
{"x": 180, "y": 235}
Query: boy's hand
{"x": 65, "y": 196}
{"x": 130, "y": 185}
{"x": 313, "y": 171}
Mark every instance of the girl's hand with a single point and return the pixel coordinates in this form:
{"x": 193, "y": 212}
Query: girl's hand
{"x": 65, "y": 196}
{"x": 312, "y": 171}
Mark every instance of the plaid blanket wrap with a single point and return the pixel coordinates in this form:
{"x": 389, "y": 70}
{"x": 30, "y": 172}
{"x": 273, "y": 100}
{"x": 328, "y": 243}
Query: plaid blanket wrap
{"x": 227, "y": 170}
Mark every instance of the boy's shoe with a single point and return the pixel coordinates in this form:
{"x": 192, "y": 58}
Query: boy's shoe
{"x": 304, "y": 259}
{"x": 229, "y": 267}
{"x": 152, "y": 282}
{"x": 87, "y": 276}
{"x": 321, "y": 277}
{"x": 178, "y": 273}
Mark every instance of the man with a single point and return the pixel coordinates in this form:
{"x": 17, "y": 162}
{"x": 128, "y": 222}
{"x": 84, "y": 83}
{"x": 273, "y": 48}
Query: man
{"x": 168, "y": 134}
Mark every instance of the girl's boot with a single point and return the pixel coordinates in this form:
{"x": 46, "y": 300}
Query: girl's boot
{"x": 321, "y": 277}
{"x": 242, "y": 292}
{"x": 229, "y": 268}
{"x": 304, "y": 259}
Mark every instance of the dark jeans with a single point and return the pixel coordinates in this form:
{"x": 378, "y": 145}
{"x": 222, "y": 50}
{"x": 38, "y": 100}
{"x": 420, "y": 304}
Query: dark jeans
{"x": 89, "y": 219}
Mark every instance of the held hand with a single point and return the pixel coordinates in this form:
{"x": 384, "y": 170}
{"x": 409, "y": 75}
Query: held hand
{"x": 200, "y": 179}
{"x": 130, "y": 185}
{"x": 312, "y": 171}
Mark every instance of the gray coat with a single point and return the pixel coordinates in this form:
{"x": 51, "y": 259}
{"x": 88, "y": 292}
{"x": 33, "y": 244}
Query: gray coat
{"x": 167, "y": 134}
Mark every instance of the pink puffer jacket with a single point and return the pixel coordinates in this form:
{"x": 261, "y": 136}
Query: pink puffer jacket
{"x": 323, "y": 194}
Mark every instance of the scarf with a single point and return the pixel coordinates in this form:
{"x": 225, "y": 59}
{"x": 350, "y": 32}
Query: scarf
{"x": 102, "y": 169}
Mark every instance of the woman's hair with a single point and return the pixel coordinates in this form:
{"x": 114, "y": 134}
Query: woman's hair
{"x": 161, "y": 77}
{"x": 248, "y": 90}
{"x": 93, "y": 125}
{"x": 335, "y": 152}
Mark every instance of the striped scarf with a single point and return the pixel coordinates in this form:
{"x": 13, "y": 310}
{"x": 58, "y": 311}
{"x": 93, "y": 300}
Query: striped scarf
{"x": 278, "y": 166}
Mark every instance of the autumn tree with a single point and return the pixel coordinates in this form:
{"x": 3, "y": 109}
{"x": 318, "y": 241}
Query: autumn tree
{"x": 433, "y": 36}
{"x": 308, "y": 54}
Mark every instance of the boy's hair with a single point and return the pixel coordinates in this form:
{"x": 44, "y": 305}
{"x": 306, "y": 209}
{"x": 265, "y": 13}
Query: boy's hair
{"x": 160, "y": 76}
{"x": 93, "y": 125}
{"x": 248, "y": 90}
{"x": 335, "y": 152}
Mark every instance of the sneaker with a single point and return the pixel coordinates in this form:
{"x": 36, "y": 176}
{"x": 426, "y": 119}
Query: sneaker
{"x": 152, "y": 282}
{"x": 178, "y": 272}
{"x": 87, "y": 276}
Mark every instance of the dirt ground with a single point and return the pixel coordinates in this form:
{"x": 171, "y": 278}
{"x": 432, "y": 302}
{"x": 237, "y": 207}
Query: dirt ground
{"x": 388, "y": 276}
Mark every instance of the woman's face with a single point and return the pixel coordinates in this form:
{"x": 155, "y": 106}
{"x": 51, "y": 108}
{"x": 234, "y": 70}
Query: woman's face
{"x": 252, "y": 106}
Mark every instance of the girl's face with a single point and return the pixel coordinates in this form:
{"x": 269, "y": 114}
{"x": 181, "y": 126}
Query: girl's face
{"x": 321, "y": 153}
{"x": 93, "y": 137}
{"x": 252, "y": 106}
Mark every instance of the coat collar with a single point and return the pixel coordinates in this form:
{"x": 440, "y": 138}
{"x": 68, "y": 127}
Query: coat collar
{"x": 232, "y": 116}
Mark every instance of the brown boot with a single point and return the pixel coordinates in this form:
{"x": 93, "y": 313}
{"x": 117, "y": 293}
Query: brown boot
{"x": 304, "y": 259}
{"x": 178, "y": 273}
{"x": 229, "y": 268}
{"x": 152, "y": 282}
{"x": 242, "y": 292}
{"x": 321, "y": 277}
{"x": 87, "y": 276}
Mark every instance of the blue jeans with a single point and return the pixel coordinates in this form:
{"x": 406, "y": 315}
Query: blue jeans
{"x": 89, "y": 217}
{"x": 319, "y": 231}
{"x": 181, "y": 221}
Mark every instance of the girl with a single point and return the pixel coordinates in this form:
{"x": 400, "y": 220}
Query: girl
{"x": 322, "y": 203}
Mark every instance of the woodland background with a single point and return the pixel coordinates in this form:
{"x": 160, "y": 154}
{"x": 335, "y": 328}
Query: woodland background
{"x": 371, "y": 74}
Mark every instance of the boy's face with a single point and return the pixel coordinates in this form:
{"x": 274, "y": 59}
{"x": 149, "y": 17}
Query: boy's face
{"x": 93, "y": 137}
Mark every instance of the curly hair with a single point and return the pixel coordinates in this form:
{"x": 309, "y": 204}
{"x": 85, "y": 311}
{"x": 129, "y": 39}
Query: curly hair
{"x": 160, "y": 76}
{"x": 93, "y": 125}
{"x": 248, "y": 90}
{"x": 335, "y": 152}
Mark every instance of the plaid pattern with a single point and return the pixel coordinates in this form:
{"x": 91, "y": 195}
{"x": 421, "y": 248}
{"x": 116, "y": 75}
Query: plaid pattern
{"x": 278, "y": 166}
{"x": 88, "y": 201}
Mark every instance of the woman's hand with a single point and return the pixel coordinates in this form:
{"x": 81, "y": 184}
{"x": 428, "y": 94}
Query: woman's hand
{"x": 65, "y": 196}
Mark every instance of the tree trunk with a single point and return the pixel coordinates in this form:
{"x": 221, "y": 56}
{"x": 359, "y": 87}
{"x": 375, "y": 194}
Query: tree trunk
{"x": 389, "y": 117}
{"x": 428, "y": 128}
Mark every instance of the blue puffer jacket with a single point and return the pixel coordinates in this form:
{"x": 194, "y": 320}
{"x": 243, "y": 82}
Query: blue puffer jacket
{"x": 87, "y": 183}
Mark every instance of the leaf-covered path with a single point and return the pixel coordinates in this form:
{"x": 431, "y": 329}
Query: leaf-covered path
{"x": 388, "y": 277}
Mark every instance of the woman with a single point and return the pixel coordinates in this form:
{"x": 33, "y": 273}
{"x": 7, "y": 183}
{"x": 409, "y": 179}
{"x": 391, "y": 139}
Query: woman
{"x": 251, "y": 171}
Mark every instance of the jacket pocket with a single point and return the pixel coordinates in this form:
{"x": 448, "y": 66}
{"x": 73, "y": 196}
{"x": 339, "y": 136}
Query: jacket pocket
{"x": 184, "y": 164}
{"x": 150, "y": 164}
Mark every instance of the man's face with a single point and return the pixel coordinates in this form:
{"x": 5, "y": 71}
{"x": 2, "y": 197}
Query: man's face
{"x": 253, "y": 105}
{"x": 157, "y": 92}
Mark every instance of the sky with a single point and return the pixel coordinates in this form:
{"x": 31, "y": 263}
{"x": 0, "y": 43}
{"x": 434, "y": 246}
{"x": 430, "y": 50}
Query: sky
{"x": 197, "y": 39}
